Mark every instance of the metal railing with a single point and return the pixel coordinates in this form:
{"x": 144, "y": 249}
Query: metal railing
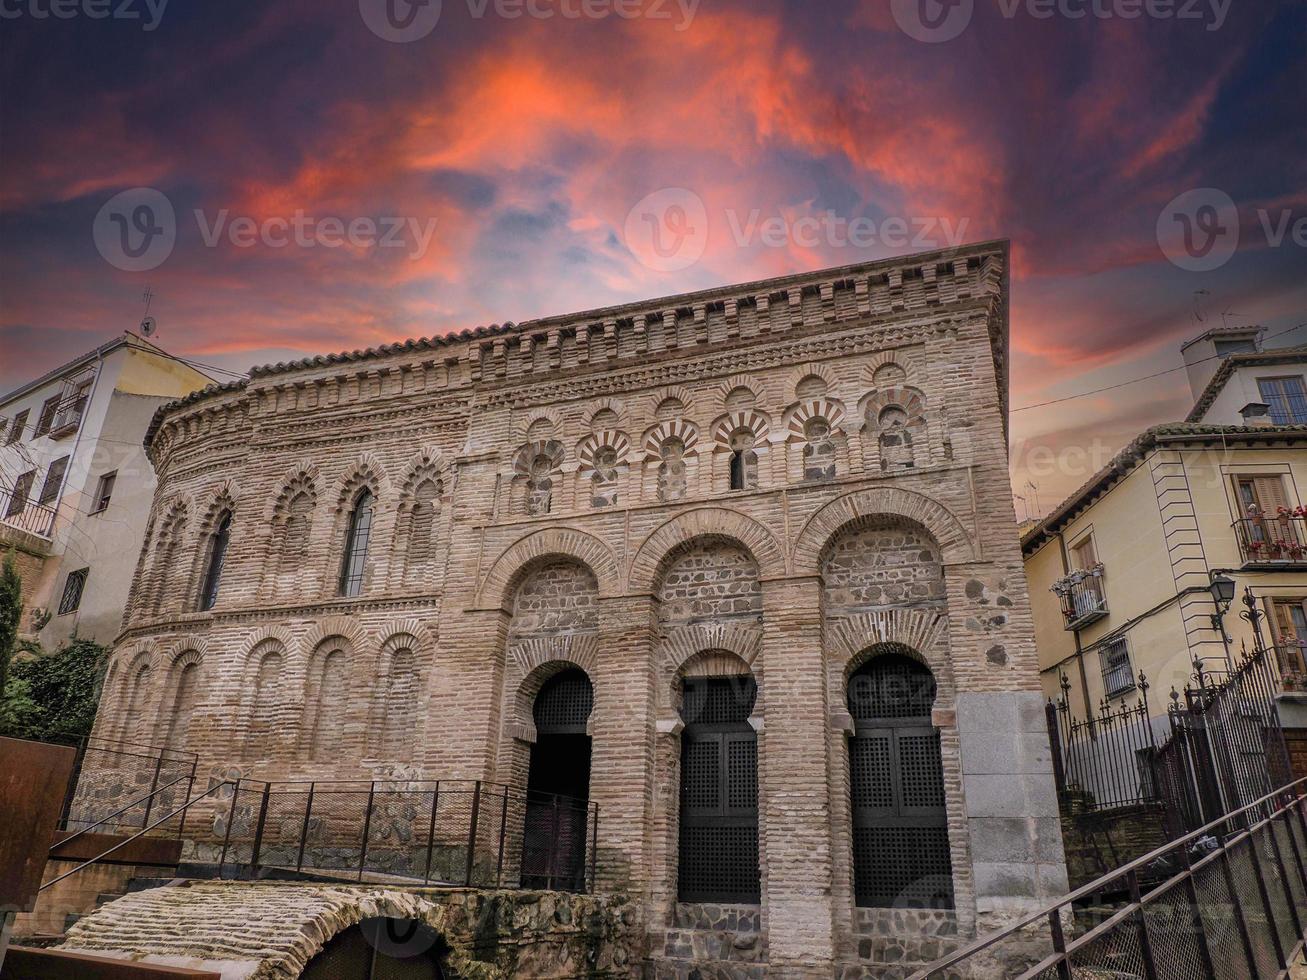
{"x": 1227, "y": 901}
{"x": 118, "y": 785}
{"x": 26, "y": 514}
{"x": 1225, "y": 745}
{"x": 1264, "y": 539}
{"x": 1291, "y": 658}
{"x": 454, "y": 832}
{"x": 1082, "y": 600}
{"x": 1104, "y": 760}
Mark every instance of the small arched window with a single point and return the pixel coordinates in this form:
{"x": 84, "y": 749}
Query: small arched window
{"x": 354, "y": 562}
{"x": 213, "y": 567}
{"x": 744, "y": 461}
{"x": 895, "y": 439}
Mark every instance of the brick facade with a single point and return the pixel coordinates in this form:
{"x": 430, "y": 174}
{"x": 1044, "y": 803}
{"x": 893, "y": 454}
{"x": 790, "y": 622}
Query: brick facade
{"x": 558, "y": 494}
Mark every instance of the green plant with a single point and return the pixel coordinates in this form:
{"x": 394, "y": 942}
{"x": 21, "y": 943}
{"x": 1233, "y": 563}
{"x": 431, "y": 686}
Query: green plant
{"x": 11, "y": 611}
{"x": 55, "y": 694}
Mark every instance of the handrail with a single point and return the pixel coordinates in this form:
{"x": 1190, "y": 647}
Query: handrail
{"x": 140, "y": 833}
{"x": 116, "y": 813}
{"x": 1096, "y": 885}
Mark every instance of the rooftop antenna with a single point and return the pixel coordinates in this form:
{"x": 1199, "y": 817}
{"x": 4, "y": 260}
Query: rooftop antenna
{"x": 1201, "y": 299}
{"x": 149, "y": 326}
{"x": 1034, "y": 492}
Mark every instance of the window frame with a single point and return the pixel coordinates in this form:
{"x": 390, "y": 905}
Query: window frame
{"x": 102, "y": 499}
{"x": 219, "y": 542}
{"x": 1106, "y": 651}
{"x": 67, "y": 605}
{"x": 358, "y": 536}
{"x": 51, "y": 492}
{"x": 1289, "y": 415}
{"x": 19, "y": 424}
{"x": 18, "y": 501}
{"x": 49, "y": 409}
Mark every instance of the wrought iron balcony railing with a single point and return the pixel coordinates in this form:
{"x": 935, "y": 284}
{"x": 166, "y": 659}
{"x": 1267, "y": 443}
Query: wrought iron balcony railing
{"x": 26, "y": 514}
{"x": 1291, "y": 656}
{"x": 68, "y": 417}
{"x": 1263, "y": 540}
{"x": 1082, "y": 598}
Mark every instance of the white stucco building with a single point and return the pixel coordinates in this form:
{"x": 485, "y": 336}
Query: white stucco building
{"x": 76, "y": 486}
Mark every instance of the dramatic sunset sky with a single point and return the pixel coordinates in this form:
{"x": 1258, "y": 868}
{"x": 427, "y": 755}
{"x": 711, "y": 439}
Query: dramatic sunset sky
{"x": 528, "y": 141}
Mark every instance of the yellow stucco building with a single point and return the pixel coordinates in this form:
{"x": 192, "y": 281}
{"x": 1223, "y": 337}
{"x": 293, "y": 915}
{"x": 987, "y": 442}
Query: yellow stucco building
{"x": 1121, "y": 573}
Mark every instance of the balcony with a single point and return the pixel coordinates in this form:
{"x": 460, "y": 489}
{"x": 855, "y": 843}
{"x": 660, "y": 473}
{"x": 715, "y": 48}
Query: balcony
{"x": 1291, "y": 657}
{"x": 25, "y": 515}
{"x": 1081, "y": 596}
{"x": 1273, "y": 540}
{"x": 68, "y": 417}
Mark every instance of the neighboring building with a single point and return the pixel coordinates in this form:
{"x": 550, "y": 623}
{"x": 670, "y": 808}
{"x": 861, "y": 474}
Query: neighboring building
{"x": 740, "y": 566}
{"x": 76, "y": 486}
{"x": 1120, "y": 573}
{"x": 1235, "y": 382}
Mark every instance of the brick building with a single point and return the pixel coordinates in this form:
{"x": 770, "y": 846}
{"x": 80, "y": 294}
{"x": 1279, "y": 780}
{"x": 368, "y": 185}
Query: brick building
{"x": 739, "y": 566}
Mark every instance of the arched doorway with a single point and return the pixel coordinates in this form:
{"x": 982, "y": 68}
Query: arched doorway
{"x": 718, "y": 852}
{"x": 376, "y": 948}
{"x": 558, "y": 785}
{"x": 900, "y": 828}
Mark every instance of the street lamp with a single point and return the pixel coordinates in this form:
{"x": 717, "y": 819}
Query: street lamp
{"x": 1222, "y": 589}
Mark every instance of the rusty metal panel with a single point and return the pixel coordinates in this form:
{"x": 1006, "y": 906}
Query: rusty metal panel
{"x": 22, "y": 963}
{"x": 33, "y": 781}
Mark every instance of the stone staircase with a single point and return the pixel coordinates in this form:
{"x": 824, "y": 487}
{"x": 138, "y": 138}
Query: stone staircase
{"x": 141, "y": 882}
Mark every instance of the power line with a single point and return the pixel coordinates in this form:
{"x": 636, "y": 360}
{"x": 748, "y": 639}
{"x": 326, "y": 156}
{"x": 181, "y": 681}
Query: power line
{"x": 1147, "y": 377}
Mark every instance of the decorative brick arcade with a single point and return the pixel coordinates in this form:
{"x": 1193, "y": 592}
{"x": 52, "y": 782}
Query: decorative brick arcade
{"x": 642, "y": 555}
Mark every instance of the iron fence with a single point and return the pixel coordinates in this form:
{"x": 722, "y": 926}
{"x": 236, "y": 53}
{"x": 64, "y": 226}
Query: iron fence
{"x": 453, "y": 832}
{"x": 1218, "y": 745}
{"x": 25, "y": 514}
{"x": 1106, "y": 759}
{"x": 1226, "y": 901}
{"x": 119, "y": 785}
{"x": 1225, "y": 745}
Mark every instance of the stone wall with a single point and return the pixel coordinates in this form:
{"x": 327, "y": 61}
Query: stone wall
{"x": 486, "y": 446}
{"x": 1096, "y": 843}
{"x": 270, "y": 931}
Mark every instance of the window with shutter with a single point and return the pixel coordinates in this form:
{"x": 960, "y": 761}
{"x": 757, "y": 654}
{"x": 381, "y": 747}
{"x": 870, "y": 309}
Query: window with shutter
{"x": 719, "y": 792}
{"x": 900, "y": 827}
